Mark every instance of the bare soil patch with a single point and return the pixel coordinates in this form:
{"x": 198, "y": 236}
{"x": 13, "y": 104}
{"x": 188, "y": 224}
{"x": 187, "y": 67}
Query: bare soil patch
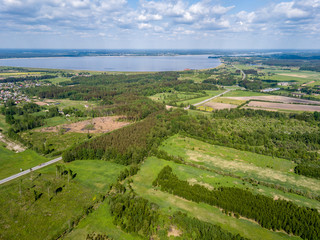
{"x": 296, "y": 107}
{"x": 12, "y": 145}
{"x": 219, "y": 106}
{"x": 174, "y": 231}
{"x": 275, "y": 98}
{"x": 305, "y": 84}
{"x": 194, "y": 181}
{"x": 41, "y": 103}
{"x": 294, "y": 75}
{"x": 95, "y": 125}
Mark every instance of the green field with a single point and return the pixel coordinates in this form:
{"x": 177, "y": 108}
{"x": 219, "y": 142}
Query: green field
{"x": 196, "y": 100}
{"x": 3, "y": 125}
{"x": 240, "y": 163}
{"x": 173, "y": 97}
{"x": 170, "y": 203}
{"x": 11, "y": 162}
{"x": 58, "y": 80}
{"x": 56, "y": 142}
{"x": 23, "y": 217}
{"x": 100, "y": 221}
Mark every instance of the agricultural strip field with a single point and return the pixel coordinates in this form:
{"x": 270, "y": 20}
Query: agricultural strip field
{"x": 45, "y": 203}
{"x": 275, "y": 98}
{"x": 142, "y": 184}
{"x": 282, "y": 106}
{"x": 242, "y": 164}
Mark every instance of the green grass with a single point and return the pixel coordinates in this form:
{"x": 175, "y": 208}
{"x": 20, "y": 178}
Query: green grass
{"x": 196, "y": 100}
{"x": 174, "y": 96}
{"x": 55, "y": 121}
{"x": 102, "y": 172}
{"x": 54, "y": 141}
{"x": 170, "y": 203}
{"x": 3, "y": 125}
{"x": 58, "y": 80}
{"x": 100, "y": 221}
{"x": 228, "y": 101}
{"x": 11, "y": 162}
{"x": 24, "y": 218}
{"x": 244, "y": 164}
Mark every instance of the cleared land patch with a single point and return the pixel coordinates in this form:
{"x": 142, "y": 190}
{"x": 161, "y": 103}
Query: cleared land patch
{"x": 95, "y": 125}
{"x": 281, "y": 99}
{"x": 284, "y": 106}
{"x": 219, "y": 106}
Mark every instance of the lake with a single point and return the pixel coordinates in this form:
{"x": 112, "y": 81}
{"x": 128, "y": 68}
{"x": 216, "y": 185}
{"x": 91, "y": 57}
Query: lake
{"x": 117, "y": 63}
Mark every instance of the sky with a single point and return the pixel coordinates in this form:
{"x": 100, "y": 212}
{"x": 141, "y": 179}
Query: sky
{"x": 160, "y": 24}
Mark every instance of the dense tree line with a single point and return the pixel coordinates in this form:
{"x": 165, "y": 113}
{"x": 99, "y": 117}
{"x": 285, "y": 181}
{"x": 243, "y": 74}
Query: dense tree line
{"x": 309, "y": 169}
{"x": 134, "y": 214}
{"x": 269, "y": 213}
{"x": 126, "y": 145}
{"x": 27, "y": 78}
{"x": 223, "y": 79}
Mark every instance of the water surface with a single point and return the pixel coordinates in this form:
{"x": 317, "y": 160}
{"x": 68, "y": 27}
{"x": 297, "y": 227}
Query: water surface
{"x": 117, "y": 63}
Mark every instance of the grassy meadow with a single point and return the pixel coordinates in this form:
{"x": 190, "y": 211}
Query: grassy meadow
{"x": 60, "y": 202}
{"x": 11, "y": 162}
{"x": 142, "y": 184}
{"x": 240, "y": 163}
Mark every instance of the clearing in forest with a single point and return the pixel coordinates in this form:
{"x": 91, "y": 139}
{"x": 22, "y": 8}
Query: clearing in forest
{"x": 95, "y": 125}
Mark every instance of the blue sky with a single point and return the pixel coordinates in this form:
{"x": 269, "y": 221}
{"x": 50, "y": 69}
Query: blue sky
{"x": 206, "y": 24}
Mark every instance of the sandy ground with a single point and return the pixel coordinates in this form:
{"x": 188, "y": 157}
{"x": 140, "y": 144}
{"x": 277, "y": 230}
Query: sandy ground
{"x": 11, "y": 145}
{"x": 284, "y": 106}
{"x": 307, "y": 83}
{"x": 100, "y": 125}
{"x": 174, "y": 231}
{"x": 218, "y": 106}
{"x": 41, "y": 103}
{"x": 277, "y": 99}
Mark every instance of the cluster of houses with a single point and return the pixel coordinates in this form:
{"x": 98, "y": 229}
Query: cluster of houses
{"x": 12, "y": 91}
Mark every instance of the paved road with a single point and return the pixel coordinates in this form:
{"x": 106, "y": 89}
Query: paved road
{"x": 242, "y": 72}
{"x": 209, "y": 99}
{"x": 29, "y": 170}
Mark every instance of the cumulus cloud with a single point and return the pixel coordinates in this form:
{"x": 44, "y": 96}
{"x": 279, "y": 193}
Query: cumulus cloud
{"x": 167, "y": 17}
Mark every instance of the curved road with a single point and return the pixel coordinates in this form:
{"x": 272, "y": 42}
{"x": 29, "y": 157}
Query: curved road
{"x": 242, "y": 72}
{"x": 29, "y": 170}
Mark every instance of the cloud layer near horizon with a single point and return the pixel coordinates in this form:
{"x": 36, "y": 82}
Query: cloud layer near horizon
{"x": 119, "y": 23}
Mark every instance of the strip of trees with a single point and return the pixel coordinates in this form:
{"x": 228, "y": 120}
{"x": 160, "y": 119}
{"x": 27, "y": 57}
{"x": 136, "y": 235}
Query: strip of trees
{"x": 269, "y": 213}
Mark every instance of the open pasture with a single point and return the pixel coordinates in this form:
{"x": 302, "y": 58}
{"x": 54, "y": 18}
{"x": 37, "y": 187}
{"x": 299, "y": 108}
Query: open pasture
{"x": 240, "y": 163}
{"x": 142, "y": 184}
